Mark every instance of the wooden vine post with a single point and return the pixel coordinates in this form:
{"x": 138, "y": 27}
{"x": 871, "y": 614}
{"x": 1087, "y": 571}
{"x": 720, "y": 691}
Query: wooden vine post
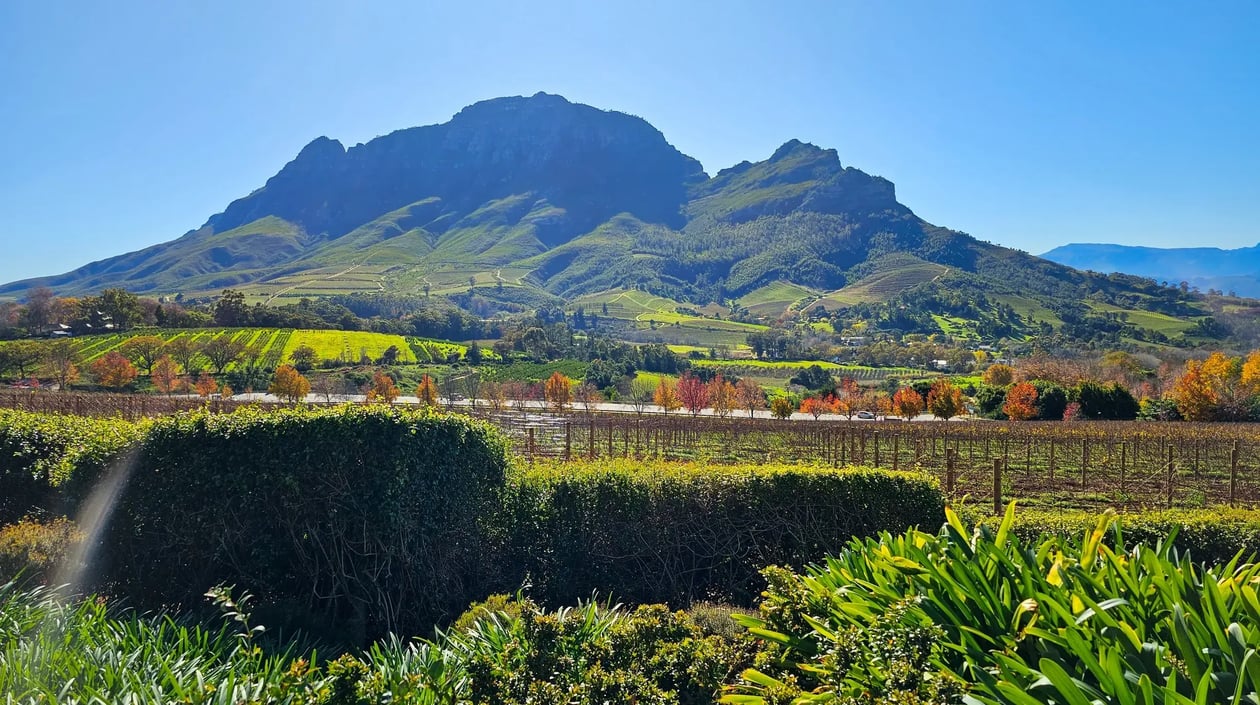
{"x": 997, "y": 486}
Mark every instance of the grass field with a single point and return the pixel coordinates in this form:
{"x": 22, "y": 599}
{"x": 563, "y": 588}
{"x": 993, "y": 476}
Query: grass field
{"x": 1158, "y": 322}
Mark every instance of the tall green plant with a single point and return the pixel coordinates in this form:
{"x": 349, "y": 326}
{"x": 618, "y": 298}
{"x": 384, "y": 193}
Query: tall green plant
{"x": 1053, "y": 621}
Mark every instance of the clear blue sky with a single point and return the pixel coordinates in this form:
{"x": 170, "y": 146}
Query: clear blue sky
{"x": 1026, "y": 124}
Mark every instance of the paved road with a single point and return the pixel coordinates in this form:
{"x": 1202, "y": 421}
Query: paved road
{"x": 603, "y": 407}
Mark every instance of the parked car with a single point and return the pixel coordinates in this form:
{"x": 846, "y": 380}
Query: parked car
{"x": 865, "y": 415}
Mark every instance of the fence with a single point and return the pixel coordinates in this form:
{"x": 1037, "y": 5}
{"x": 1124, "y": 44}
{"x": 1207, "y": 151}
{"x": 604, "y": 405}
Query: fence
{"x": 1127, "y": 464}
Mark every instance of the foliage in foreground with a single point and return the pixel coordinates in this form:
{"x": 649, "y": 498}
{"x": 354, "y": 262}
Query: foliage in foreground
{"x": 983, "y": 612}
{"x": 87, "y": 653}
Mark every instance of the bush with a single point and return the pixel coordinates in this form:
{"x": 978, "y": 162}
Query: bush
{"x": 1051, "y": 621}
{"x": 368, "y": 517}
{"x": 666, "y": 532}
{"x": 48, "y": 461}
{"x": 34, "y": 548}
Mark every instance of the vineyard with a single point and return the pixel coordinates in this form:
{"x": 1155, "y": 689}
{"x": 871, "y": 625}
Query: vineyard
{"x": 762, "y": 368}
{"x": 274, "y": 345}
{"x": 1077, "y": 464}
{"x": 1081, "y": 465}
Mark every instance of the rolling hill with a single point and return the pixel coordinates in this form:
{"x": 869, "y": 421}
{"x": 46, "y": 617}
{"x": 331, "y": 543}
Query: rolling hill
{"x": 539, "y": 199}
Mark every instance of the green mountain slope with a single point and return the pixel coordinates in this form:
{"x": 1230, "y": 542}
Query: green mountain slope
{"x": 530, "y": 199}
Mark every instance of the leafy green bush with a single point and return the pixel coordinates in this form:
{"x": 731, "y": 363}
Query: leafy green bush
{"x": 1055, "y": 621}
{"x": 667, "y": 532}
{"x": 51, "y": 651}
{"x": 367, "y": 517}
{"x": 1209, "y": 536}
{"x": 48, "y": 460}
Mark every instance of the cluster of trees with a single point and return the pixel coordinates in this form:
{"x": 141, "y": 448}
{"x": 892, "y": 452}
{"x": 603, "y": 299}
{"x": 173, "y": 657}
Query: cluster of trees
{"x": 1219, "y": 388}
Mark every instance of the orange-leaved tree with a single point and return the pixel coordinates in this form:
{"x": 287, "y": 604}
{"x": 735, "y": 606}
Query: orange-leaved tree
{"x": 382, "y": 388}
{"x": 165, "y": 374}
{"x": 850, "y": 399}
{"x": 907, "y": 403}
{"x": 945, "y": 401}
{"x": 427, "y": 391}
{"x": 558, "y": 391}
{"x": 816, "y": 406}
{"x": 205, "y": 384}
{"x": 113, "y": 370}
{"x": 721, "y": 395}
{"x": 1195, "y": 392}
{"x": 999, "y": 375}
{"x": 1021, "y": 402}
{"x": 289, "y": 384}
{"x": 666, "y": 396}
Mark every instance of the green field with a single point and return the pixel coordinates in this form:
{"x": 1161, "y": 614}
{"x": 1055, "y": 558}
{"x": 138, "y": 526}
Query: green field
{"x": 1158, "y": 322}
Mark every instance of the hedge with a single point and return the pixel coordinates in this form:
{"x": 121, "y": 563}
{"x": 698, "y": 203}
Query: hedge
{"x": 48, "y": 461}
{"x": 368, "y": 518}
{"x": 666, "y": 532}
{"x": 373, "y": 519}
{"x": 1209, "y": 536}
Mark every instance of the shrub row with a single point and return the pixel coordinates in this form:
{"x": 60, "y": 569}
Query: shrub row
{"x": 1208, "y": 536}
{"x": 373, "y": 519}
{"x": 678, "y": 533}
{"x": 48, "y": 461}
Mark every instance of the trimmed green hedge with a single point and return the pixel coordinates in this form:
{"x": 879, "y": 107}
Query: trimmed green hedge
{"x": 1210, "y": 536}
{"x": 368, "y": 517}
{"x": 373, "y": 519}
{"x": 665, "y": 532}
{"x": 48, "y": 461}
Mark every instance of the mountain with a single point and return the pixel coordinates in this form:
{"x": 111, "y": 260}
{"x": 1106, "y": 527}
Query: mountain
{"x": 1236, "y": 270}
{"x": 539, "y": 201}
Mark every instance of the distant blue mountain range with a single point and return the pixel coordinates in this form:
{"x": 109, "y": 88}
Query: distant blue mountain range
{"x": 1205, "y": 267}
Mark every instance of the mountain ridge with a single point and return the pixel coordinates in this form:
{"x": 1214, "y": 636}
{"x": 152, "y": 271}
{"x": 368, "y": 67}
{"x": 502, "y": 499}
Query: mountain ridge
{"x": 1224, "y": 269}
{"x": 540, "y": 199}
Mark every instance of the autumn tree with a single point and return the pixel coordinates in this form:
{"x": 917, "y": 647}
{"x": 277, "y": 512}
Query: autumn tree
{"x": 721, "y": 396}
{"x": 382, "y": 388}
{"x": 222, "y": 351}
{"x": 693, "y": 394}
{"x": 427, "y": 391}
{"x": 907, "y": 403}
{"x": 303, "y": 357}
{"x": 185, "y": 351}
{"x": 558, "y": 391}
{"x": 1249, "y": 374}
{"x": 205, "y": 385}
{"x": 113, "y": 370}
{"x": 666, "y": 397}
{"x": 61, "y": 363}
{"x": 1195, "y": 393}
{"x": 815, "y": 406}
{"x": 1021, "y": 402}
{"x": 945, "y": 401}
{"x": 749, "y": 396}
{"x": 999, "y": 375}
{"x": 289, "y": 384}
{"x": 781, "y": 408}
{"x": 849, "y": 398}
{"x": 165, "y": 374}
